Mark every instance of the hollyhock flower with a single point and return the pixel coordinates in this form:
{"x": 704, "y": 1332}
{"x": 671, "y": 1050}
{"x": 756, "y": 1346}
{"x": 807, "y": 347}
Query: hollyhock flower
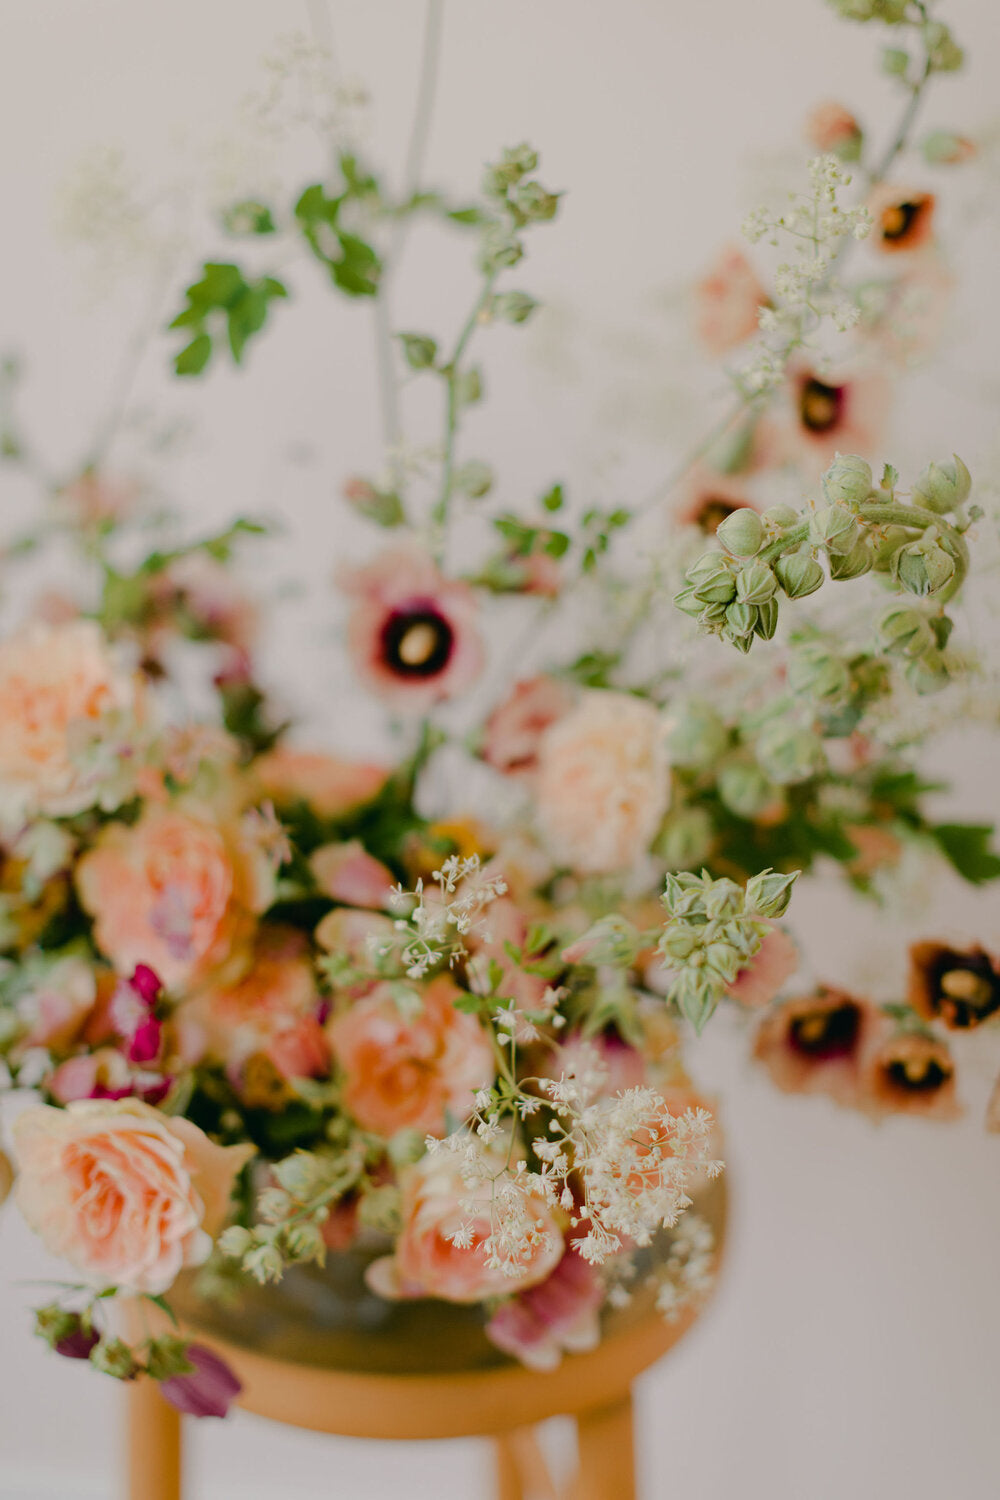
{"x": 514, "y": 729}
{"x": 603, "y": 782}
{"x": 603, "y": 1064}
{"x": 410, "y": 1070}
{"x": 348, "y": 873}
{"x": 175, "y": 890}
{"x": 727, "y": 302}
{"x": 762, "y": 979}
{"x": 832, "y": 413}
{"x": 439, "y": 1252}
{"x": 270, "y": 1015}
{"x": 903, "y": 220}
{"x": 962, "y": 989}
{"x": 558, "y": 1316}
{"x": 330, "y": 786}
{"x": 910, "y": 1074}
{"x": 57, "y": 684}
{"x": 412, "y": 632}
{"x": 905, "y": 315}
{"x": 707, "y": 498}
{"x": 127, "y": 1196}
{"x": 815, "y": 1043}
{"x": 208, "y": 1390}
{"x": 832, "y": 128}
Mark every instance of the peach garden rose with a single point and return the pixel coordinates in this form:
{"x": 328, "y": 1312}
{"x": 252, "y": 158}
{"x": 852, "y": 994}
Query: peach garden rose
{"x": 126, "y": 1195}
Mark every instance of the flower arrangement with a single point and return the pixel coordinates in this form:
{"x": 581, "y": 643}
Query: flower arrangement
{"x": 269, "y": 1001}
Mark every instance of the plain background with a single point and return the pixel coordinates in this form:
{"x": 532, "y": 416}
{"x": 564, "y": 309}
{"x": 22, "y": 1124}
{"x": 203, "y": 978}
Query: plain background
{"x": 852, "y": 1349}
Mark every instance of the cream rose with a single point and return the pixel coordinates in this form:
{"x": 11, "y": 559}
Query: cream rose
{"x": 56, "y": 683}
{"x": 603, "y": 782}
{"x": 127, "y": 1196}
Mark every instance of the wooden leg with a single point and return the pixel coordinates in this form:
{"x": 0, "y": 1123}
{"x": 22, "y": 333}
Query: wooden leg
{"x": 607, "y": 1453}
{"x": 522, "y": 1473}
{"x": 154, "y": 1444}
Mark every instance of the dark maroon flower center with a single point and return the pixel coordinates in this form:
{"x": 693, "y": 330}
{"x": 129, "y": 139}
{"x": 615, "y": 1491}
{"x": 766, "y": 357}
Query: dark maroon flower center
{"x": 417, "y": 641}
{"x": 712, "y": 512}
{"x": 820, "y": 405}
{"x": 900, "y": 219}
{"x": 830, "y": 1031}
{"x": 965, "y": 987}
{"x": 918, "y": 1075}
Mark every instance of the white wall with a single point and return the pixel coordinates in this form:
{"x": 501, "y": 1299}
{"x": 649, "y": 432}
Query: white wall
{"x": 852, "y": 1349}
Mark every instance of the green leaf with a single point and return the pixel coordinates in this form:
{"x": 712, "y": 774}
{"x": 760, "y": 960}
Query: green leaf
{"x": 967, "y": 847}
{"x": 554, "y": 498}
{"x": 248, "y": 217}
{"x": 419, "y": 350}
{"x": 161, "y": 1302}
{"x": 194, "y": 356}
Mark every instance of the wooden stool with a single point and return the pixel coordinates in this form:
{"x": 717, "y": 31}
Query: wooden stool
{"x": 503, "y": 1401}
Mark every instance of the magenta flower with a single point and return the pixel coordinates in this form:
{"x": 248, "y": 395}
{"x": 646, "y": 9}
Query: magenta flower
{"x": 133, "y": 1015}
{"x": 78, "y": 1344}
{"x": 206, "y": 1391}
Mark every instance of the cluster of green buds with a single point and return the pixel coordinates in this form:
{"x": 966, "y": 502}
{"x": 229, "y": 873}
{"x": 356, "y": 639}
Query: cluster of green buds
{"x": 714, "y": 929}
{"x": 520, "y": 200}
{"x": 858, "y": 528}
{"x": 74, "y": 1334}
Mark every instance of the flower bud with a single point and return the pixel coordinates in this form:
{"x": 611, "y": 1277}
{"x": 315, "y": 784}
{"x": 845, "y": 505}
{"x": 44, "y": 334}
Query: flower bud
{"x": 769, "y": 893}
{"x": 923, "y": 567}
{"x": 903, "y": 631}
{"x": 745, "y": 790}
{"x": 697, "y": 735}
{"x": 767, "y": 619}
{"x": 723, "y": 959}
{"x": 799, "y": 575}
{"x": 943, "y": 487}
{"x": 835, "y": 529}
{"x": 742, "y": 532}
{"x": 167, "y": 1356}
{"x": 788, "y": 753}
{"x": 849, "y": 478}
{"x": 419, "y": 350}
{"x": 928, "y": 673}
{"x": 384, "y": 507}
{"x": 235, "y": 1241}
{"x": 943, "y": 52}
{"x": 816, "y": 672}
{"x": 611, "y": 940}
{"x": 264, "y": 1263}
{"x": 474, "y": 478}
{"x": 688, "y": 603}
{"x": 513, "y": 307}
{"x": 712, "y": 579}
{"x": 782, "y": 516}
{"x": 114, "y": 1357}
{"x": 895, "y": 61}
{"x": 755, "y": 583}
{"x": 740, "y": 619}
{"x": 304, "y": 1241}
{"x": 853, "y": 564}
{"x": 686, "y": 838}
{"x": 943, "y": 148}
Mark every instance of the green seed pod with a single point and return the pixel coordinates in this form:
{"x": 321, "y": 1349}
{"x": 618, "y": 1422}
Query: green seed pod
{"x": 742, "y": 532}
{"x": 835, "y": 529}
{"x": 712, "y": 579}
{"x": 859, "y": 560}
{"x": 923, "y": 567}
{"x": 767, "y": 619}
{"x": 688, "y": 603}
{"x": 903, "y": 631}
{"x": 943, "y": 487}
{"x": 799, "y": 575}
{"x": 755, "y": 583}
{"x": 849, "y": 478}
{"x": 886, "y": 546}
{"x": 741, "y": 619}
{"x": 782, "y": 516}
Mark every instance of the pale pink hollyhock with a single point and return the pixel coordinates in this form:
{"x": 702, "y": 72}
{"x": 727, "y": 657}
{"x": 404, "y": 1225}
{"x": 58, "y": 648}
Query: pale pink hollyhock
{"x": 410, "y": 1071}
{"x": 832, "y": 128}
{"x": 908, "y": 313}
{"x": 829, "y": 413}
{"x": 273, "y": 1010}
{"x": 428, "y": 1263}
{"x": 348, "y": 873}
{"x": 57, "y": 683}
{"x": 126, "y": 1195}
{"x": 331, "y": 786}
{"x": 174, "y": 890}
{"x": 605, "y": 1064}
{"x": 816, "y": 1044}
{"x": 762, "y": 979}
{"x": 904, "y": 220}
{"x": 727, "y": 302}
{"x": 910, "y": 1074}
{"x": 558, "y": 1316}
{"x": 514, "y": 729}
{"x": 207, "y": 1390}
{"x": 706, "y": 498}
{"x": 412, "y": 632}
{"x": 603, "y": 782}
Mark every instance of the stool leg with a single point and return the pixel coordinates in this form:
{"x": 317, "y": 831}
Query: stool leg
{"x": 522, "y": 1473}
{"x": 607, "y": 1454}
{"x": 153, "y": 1444}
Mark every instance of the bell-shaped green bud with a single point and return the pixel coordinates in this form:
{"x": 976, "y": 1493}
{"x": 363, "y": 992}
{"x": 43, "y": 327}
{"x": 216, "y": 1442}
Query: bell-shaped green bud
{"x": 688, "y": 602}
{"x": 903, "y": 631}
{"x": 928, "y": 673}
{"x": 742, "y": 532}
{"x": 755, "y": 583}
{"x": 740, "y": 619}
{"x": 834, "y": 528}
{"x": 782, "y": 516}
{"x": 799, "y": 575}
{"x": 685, "y": 839}
{"x": 696, "y": 736}
{"x": 112, "y": 1356}
{"x": 711, "y": 577}
{"x": 848, "y": 479}
{"x": 767, "y": 619}
{"x": 943, "y": 487}
{"x": 816, "y": 672}
{"x": 769, "y": 893}
{"x": 724, "y": 960}
{"x": 923, "y": 567}
{"x": 788, "y": 753}
{"x": 744, "y": 789}
{"x": 886, "y": 545}
{"x": 852, "y": 564}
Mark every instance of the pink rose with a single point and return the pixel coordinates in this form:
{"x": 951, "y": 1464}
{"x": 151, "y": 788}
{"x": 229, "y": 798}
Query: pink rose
{"x": 348, "y": 873}
{"x": 409, "y": 1071}
{"x": 727, "y": 302}
{"x": 603, "y": 782}
{"x": 560, "y": 1315}
{"x": 331, "y": 786}
{"x": 763, "y": 977}
{"x": 57, "y": 683}
{"x": 514, "y": 729}
{"x": 175, "y": 890}
{"x": 127, "y": 1196}
{"x": 428, "y": 1263}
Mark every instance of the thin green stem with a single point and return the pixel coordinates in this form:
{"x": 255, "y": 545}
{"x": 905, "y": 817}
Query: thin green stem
{"x": 451, "y": 372}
